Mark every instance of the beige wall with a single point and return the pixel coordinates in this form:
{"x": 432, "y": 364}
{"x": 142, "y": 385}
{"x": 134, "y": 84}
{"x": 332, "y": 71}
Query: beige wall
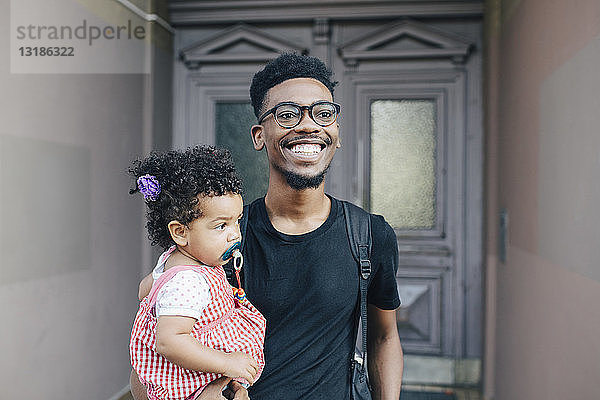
{"x": 70, "y": 235}
{"x": 543, "y": 166}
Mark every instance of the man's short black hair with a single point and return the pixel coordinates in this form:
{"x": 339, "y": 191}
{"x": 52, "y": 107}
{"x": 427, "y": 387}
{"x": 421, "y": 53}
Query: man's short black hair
{"x": 287, "y": 66}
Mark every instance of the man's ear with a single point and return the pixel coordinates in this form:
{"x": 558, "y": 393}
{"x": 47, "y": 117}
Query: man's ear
{"x": 257, "y": 136}
{"x": 178, "y": 232}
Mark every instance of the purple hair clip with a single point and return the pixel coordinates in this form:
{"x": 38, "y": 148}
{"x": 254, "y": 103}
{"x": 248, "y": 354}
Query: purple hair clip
{"x": 149, "y": 187}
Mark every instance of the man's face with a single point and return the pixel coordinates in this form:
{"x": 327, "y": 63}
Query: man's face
{"x": 305, "y": 151}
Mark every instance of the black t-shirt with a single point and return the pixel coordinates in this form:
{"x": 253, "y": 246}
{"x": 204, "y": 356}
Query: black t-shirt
{"x": 307, "y": 288}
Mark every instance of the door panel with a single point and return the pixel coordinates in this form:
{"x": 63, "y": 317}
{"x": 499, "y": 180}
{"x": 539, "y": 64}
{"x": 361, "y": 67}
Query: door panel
{"x": 403, "y": 132}
{"x": 434, "y": 248}
{"x": 232, "y": 120}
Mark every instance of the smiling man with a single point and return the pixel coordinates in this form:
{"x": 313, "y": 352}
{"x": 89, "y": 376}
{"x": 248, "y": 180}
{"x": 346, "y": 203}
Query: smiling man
{"x": 301, "y": 273}
{"x": 299, "y": 270}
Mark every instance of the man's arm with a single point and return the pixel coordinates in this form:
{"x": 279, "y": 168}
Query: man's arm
{"x": 384, "y": 354}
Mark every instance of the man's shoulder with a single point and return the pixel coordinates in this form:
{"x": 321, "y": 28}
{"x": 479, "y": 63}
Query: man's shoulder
{"x": 251, "y": 210}
{"x": 378, "y": 222}
{"x": 254, "y": 203}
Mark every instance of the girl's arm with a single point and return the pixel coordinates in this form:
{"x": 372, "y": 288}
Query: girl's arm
{"x": 145, "y": 286}
{"x": 174, "y": 342}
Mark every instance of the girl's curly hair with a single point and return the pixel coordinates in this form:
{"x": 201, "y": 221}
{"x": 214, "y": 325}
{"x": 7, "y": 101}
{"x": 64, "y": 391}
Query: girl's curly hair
{"x": 183, "y": 175}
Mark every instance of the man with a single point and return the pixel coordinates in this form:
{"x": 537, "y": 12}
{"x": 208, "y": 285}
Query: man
{"x": 299, "y": 270}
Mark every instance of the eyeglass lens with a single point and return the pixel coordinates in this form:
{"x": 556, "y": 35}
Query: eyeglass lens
{"x": 289, "y": 115}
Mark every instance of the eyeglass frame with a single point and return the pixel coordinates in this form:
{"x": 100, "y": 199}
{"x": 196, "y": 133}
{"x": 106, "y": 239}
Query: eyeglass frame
{"x": 336, "y": 106}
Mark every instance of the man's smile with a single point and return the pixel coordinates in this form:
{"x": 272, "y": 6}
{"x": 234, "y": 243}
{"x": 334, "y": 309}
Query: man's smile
{"x": 306, "y": 148}
{"x": 303, "y": 152}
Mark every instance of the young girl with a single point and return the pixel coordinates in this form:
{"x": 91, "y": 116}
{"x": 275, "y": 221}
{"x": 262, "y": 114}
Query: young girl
{"x": 194, "y": 326}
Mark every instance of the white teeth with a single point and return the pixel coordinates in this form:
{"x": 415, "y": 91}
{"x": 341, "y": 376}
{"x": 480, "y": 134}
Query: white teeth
{"x": 306, "y": 148}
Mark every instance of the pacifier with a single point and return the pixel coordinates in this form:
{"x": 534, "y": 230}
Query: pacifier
{"x": 229, "y": 252}
{"x": 238, "y": 260}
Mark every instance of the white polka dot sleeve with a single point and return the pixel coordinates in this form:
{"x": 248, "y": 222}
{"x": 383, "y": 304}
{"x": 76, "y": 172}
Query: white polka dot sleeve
{"x": 187, "y": 294}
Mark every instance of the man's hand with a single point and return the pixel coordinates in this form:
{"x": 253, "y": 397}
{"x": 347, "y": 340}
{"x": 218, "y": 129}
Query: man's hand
{"x": 138, "y": 390}
{"x": 213, "y": 391}
{"x": 233, "y": 391}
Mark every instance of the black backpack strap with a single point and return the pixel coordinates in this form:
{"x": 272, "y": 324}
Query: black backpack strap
{"x": 229, "y": 266}
{"x": 358, "y": 227}
{"x": 244, "y": 224}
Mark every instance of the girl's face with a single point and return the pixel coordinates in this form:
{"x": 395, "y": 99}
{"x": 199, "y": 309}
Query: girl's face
{"x": 216, "y": 230}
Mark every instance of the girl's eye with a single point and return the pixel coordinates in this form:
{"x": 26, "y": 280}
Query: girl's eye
{"x": 221, "y": 226}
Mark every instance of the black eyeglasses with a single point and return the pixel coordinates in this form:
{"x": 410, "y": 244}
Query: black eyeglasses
{"x": 288, "y": 115}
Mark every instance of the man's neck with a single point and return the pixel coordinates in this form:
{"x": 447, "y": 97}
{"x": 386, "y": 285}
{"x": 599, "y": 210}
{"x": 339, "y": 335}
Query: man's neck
{"x": 296, "y": 212}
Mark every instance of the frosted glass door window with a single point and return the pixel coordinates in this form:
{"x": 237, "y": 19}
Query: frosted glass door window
{"x": 232, "y": 126}
{"x": 403, "y": 163}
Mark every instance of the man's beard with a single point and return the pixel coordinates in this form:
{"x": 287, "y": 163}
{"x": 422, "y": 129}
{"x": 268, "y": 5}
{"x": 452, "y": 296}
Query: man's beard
{"x": 301, "y": 182}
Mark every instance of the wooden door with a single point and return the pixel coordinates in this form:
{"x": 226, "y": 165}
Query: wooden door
{"x": 411, "y": 144}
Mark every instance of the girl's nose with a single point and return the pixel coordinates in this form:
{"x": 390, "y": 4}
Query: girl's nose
{"x": 234, "y": 235}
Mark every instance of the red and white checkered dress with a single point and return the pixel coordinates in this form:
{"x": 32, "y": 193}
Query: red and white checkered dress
{"x": 224, "y": 325}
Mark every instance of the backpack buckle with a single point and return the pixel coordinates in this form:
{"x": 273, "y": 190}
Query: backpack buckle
{"x": 365, "y": 268}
